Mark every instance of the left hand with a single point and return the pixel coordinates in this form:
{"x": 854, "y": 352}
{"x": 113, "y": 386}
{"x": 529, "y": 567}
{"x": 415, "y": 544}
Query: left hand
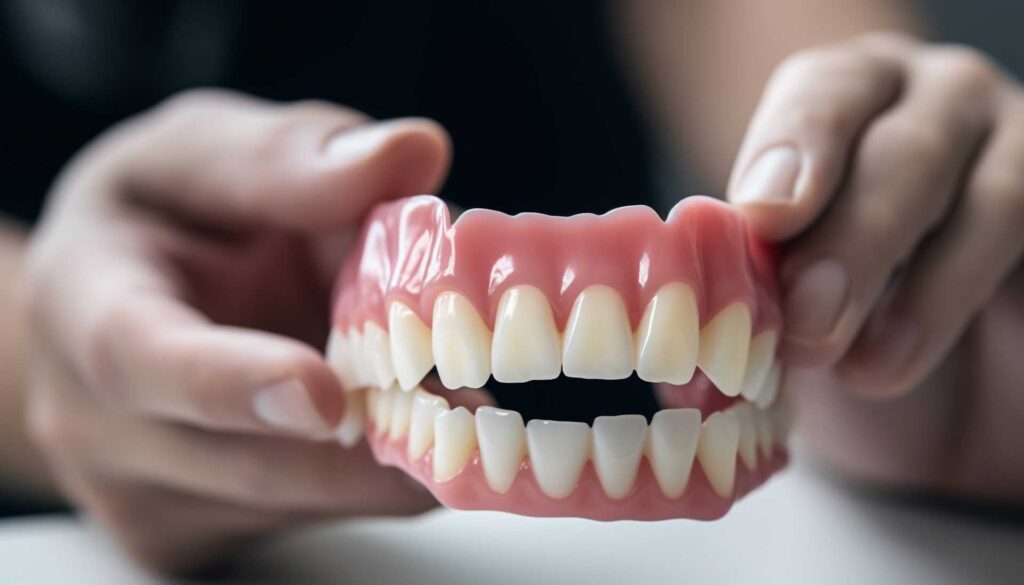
{"x": 893, "y": 170}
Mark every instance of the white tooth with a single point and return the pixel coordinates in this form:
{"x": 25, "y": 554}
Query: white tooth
{"x": 382, "y": 411}
{"x": 765, "y": 432}
{"x": 378, "y": 355}
{"x": 782, "y": 417}
{"x": 401, "y": 413}
{"x": 425, "y": 406}
{"x": 350, "y": 429}
{"x": 454, "y": 442}
{"x": 618, "y": 444}
{"x": 748, "y": 434}
{"x": 372, "y": 397}
{"x": 668, "y": 337}
{"x": 526, "y": 344}
{"x": 461, "y": 342}
{"x": 671, "y": 446}
{"x": 716, "y": 451}
{"x": 762, "y": 353}
{"x": 724, "y": 344}
{"x": 410, "y": 345}
{"x": 362, "y": 377}
{"x": 598, "y": 342}
{"x": 336, "y": 354}
{"x": 502, "y": 438}
{"x": 770, "y": 388}
{"x": 558, "y": 451}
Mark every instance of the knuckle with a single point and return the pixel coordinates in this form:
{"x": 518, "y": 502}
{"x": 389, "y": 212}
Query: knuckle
{"x": 904, "y": 139}
{"x": 194, "y": 101}
{"x": 887, "y": 40}
{"x": 966, "y": 71}
{"x": 53, "y": 427}
{"x": 1001, "y": 192}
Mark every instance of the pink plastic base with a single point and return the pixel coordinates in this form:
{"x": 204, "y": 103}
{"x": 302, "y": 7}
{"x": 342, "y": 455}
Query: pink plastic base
{"x": 469, "y": 489}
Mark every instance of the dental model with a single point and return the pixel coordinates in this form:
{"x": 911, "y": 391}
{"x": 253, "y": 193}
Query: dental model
{"x": 689, "y": 304}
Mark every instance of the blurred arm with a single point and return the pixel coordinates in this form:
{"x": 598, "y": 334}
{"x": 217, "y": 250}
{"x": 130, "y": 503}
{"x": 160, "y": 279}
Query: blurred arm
{"x": 700, "y": 66}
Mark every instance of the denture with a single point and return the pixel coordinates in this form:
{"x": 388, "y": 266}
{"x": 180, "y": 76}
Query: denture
{"x": 689, "y": 304}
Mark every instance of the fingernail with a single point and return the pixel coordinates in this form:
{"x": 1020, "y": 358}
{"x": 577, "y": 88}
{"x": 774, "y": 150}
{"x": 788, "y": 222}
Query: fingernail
{"x": 287, "y": 405}
{"x": 816, "y": 299}
{"x": 771, "y": 178}
{"x": 359, "y": 142}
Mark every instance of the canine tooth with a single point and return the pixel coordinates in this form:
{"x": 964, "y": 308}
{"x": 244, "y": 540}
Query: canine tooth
{"x": 598, "y": 341}
{"x": 770, "y": 389}
{"x": 558, "y": 451}
{"x": 668, "y": 338}
{"x": 716, "y": 450}
{"x": 378, "y": 355}
{"x": 382, "y": 410}
{"x": 618, "y": 444}
{"x": 411, "y": 350}
{"x": 748, "y": 434}
{"x": 461, "y": 342}
{"x": 762, "y": 353}
{"x": 526, "y": 344}
{"x": 724, "y": 344}
{"x": 454, "y": 442}
{"x": 401, "y": 413}
{"x": 425, "y": 406}
{"x": 765, "y": 432}
{"x": 350, "y": 429}
{"x": 502, "y": 438}
{"x": 672, "y": 445}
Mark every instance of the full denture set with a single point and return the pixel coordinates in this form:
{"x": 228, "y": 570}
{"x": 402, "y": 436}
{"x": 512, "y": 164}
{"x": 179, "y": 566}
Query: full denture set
{"x": 688, "y": 303}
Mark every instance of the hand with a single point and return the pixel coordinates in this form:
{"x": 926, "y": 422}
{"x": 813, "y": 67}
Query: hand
{"x": 178, "y": 292}
{"x": 894, "y": 172}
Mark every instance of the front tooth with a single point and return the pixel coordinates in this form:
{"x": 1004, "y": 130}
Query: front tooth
{"x": 618, "y": 444}
{"x": 765, "y": 432}
{"x": 378, "y": 354}
{"x": 454, "y": 442}
{"x": 672, "y": 444}
{"x": 668, "y": 337}
{"x": 748, "y": 434}
{"x": 716, "y": 451}
{"x": 425, "y": 406}
{"x": 724, "y": 344}
{"x": 526, "y": 345}
{"x": 762, "y": 353}
{"x": 350, "y": 429}
{"x": 401, "y": 413}
{"x": 770, "y": 388}
{"x": 598, "y": 342}
{"x": 558, "y": 451}
{"x": 382, "y": 411}
{"x": 410, "y": 345}
{"x": 461, "y": 342}
{"x": 502, "y": 438}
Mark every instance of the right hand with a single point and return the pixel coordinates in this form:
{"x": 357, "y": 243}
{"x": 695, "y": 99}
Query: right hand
{"x": 178, "y": 288}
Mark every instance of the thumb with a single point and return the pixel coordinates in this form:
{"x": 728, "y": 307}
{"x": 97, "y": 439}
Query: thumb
{"x": 309, "y": 166}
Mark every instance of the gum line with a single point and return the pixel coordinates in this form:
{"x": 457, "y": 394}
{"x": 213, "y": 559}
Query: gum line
{"x": 409, "y": 251}
{"x": 469, "y": 490}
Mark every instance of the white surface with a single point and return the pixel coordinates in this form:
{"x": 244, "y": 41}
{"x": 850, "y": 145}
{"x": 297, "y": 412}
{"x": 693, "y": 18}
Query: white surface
{"x": 798, "y": 529}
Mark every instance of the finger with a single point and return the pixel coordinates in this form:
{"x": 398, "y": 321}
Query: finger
{"x": 308, "y": 165}
{"x": 799, "y": 142}
{"x": 907, "y": 169}
{"x": 952, "y": 276}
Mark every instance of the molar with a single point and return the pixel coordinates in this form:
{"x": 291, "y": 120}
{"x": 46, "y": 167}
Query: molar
{"x": 668, "y": 337}
{"x": 410, "y": 345}
{"x": 336, "y": 355}
{"x": 762, "y": 354}
{"x": 454, "y": 442}
{"x": 558, "y": 452}
{"x": 378, "y": 353}
{"x": 597, "y": 339}
{"x": 671, "y": 447}
{"x": 382, "y": 410}
{"x": 716, "y": 450}
{"x": 425, "y": 406}
{"x": 724, "y": 345}
{"x": 350, "y": 429}
{"x": 502, "y": 438}
{"x": 617, "y": 445}
{"x": 461, "y": 342}
{"x": 526, "y": 343}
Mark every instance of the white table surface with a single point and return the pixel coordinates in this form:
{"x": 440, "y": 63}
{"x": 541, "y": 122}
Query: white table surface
{"x": 801, "y": 528}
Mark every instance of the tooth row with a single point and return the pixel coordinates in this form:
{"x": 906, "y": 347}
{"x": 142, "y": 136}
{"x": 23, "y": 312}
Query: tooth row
{"x": 558, "y": 451}
{"x": 667, "y": 346}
